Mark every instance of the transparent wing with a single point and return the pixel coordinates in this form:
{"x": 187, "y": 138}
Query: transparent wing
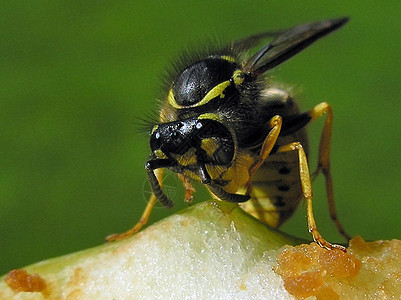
{"x": 286, "y": 44}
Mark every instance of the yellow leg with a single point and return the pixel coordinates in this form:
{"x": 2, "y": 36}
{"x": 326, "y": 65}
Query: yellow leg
{"x": 269, "y": 142}
{"x": 142, "y": 221}
{"x": 324, "y": 159}
{"x": 307, "y": 193}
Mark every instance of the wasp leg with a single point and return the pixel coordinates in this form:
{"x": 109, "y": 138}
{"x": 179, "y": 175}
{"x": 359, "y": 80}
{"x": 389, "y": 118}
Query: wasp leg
{"x": 144, "y": 218}
{"x": 324, "y": 159}
{"x": 189, "y": 189}
{"x": 307, "y": 193}
{"x": 267, "y": 146}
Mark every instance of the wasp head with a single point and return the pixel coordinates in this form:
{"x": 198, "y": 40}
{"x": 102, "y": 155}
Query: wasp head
{"x": 192, "y": 145}
{"x": 193, "y": 141}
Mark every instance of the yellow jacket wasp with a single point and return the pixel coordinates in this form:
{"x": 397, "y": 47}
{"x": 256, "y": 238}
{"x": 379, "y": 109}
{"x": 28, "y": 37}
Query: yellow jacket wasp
{"x": 226, "y": 125}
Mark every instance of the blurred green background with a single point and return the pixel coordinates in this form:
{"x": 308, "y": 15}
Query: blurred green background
{"x": 76, "y": 76}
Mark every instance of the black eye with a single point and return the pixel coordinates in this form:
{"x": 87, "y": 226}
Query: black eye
{"x": 225, "y": 153}
{"x": 155, "y": 141}
{"x": 197, "y": 80}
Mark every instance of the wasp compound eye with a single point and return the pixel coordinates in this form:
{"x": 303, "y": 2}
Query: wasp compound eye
{"x": 197, "y": 80}
{"x": 155, "y": 140}
{"x": 216, "y": 141}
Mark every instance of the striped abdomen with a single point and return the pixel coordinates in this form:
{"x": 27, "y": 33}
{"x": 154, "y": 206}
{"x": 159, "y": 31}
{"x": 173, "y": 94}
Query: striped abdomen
{"x": 276, "y": 186}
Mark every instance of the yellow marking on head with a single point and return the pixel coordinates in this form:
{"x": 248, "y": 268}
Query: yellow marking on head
{"x": 209, "y": 116}
{"x": 171, "y": 100}
{"x": 188, "y": 158}
{"x": 238, "y": 77}
{"x": 215, "y": 171}
{"x": 154, "y": 128}
{"x": 160, "y": 154}
{"x": 210, "y": 145}
{"x": 218, "y": 90}
{"x": 229, "y": 58}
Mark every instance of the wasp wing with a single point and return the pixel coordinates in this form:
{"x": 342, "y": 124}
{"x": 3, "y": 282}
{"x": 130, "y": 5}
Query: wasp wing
{"x": 286, "y": 44}
{"x": 251, "y": 41}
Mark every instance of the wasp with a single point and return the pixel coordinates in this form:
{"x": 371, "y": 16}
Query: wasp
{"x": 227, "y": 125}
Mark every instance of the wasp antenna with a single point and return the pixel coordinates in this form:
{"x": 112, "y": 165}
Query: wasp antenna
{"x": 150, "y": 166}
{"x": 289, "y": 43}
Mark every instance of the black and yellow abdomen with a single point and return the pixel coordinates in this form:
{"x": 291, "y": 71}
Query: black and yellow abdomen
{"x": 276, "y": 186}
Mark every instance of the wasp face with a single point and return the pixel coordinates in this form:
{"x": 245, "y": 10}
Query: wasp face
{"x": 193, "y": 141}
{"x": 192, "y": 145}
{"x": 172, "y": 138}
